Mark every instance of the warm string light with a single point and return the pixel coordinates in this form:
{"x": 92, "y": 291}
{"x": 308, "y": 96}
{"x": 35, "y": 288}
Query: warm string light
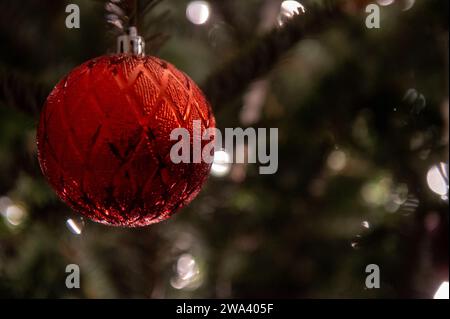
{"x": 187, "y": 273}
{"x": 13, "y": 213}
{"x": 337, "y": 160}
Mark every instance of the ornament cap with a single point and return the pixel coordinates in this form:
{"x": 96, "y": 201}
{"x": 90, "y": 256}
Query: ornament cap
{"x": 131, "y": 43}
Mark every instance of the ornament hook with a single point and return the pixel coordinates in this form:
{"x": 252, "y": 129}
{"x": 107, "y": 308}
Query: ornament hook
{"x": 131, "y": 43}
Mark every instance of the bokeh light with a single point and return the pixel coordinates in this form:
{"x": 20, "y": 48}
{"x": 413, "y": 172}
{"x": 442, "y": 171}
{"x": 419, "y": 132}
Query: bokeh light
{"x": 385, "y": 2}
{"x": 4, "y": 203}
{"x": 437, "y": 179}
{"x": 442, "y": 292}
{"x": 198, "y": 12}
{"x": 377, "y": 193}
{"x": 408, "y": 4}
{"x": 13, "y": 213}
{"x": 74, "y": 226}
{"x": 288, "y": 10}
{"x": 337, "y": 160}
{"x": 187, "y": 273}
{"x": 365, "y": 224}
{"x": 222, "y": 163}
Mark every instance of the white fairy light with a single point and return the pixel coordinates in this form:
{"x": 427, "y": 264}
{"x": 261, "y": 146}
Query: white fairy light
{"x": 385, "y": 3}
{"x": 74, "y": 227}
{"x": 15, "y": 215}
{"x": 442, "y": 292}
{"x": 187, "y": 273}
{"x": 198, "y": 12}
{"x": 222, "y": 163}
{"x": 365, "y": 224}
{"x": 437, "y": 179}
{"x": 289, "y": 9}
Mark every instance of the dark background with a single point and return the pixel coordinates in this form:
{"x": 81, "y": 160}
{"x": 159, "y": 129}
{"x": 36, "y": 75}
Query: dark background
{"x": 362, "y": 117}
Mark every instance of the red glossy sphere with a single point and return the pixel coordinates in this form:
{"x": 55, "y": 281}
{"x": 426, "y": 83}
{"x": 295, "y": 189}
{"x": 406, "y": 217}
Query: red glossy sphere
{"x": 104, "y": 139}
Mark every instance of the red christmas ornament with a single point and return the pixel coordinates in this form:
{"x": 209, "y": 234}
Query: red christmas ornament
{"x": 104, "y": 139}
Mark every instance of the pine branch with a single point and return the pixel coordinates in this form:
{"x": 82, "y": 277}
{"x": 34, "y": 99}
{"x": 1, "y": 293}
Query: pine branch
{"x": 122, "y": 14}
{"x": 258, "y": 58}
{"x": 20, "y": 92}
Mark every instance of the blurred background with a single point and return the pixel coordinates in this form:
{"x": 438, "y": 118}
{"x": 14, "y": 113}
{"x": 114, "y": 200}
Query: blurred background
{"x": 363, "y": 153}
